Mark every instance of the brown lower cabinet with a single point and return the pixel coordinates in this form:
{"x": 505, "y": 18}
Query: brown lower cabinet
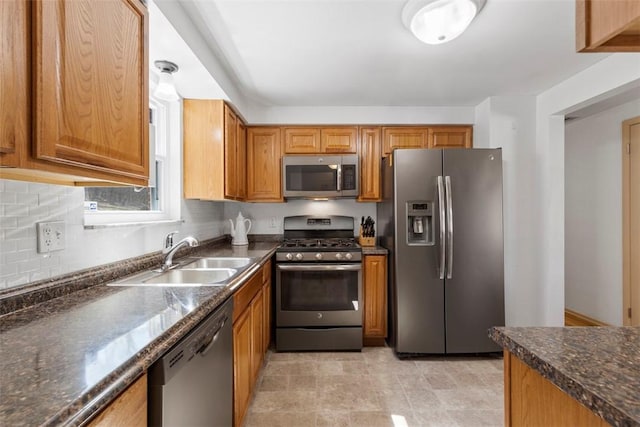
{"x": 129, "y": 409}
{"x": 375, "y": 299}
{"x": 251, "y": 311}
{"x": 532, "y": 400}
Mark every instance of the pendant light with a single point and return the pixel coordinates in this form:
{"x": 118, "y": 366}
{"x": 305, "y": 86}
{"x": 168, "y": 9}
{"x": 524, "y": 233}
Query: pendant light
{"x": 166, "y": 89}
{"x": 439, "y": 21}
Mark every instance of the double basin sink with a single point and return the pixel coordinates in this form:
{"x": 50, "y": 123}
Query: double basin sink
{"x": 213, "y": 271}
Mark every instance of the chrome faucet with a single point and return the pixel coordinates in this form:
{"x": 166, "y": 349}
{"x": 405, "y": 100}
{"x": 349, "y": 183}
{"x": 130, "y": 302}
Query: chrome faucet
{"x": 170, "y": 249}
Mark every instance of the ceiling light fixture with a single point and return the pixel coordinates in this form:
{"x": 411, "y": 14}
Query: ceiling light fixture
{"x": 439, "y": 21}
{"x": 166, "y": 89}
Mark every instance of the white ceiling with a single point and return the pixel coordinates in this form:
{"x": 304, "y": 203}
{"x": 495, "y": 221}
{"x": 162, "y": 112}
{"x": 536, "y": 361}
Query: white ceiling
{"x": 357, "y": 52}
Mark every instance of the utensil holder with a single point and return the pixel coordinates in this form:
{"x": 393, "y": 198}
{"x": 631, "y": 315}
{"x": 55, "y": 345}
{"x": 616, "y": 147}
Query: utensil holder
{"x": 366, "y": 241}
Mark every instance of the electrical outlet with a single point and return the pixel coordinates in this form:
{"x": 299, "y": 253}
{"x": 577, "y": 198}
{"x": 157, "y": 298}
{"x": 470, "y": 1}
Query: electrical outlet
{"x": 51, "y": 236}
{"x": 273, "y": 223}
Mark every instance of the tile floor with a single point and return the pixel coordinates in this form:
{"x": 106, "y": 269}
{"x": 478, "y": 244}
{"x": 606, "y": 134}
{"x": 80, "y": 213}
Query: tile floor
{"x": 374, "y": 388}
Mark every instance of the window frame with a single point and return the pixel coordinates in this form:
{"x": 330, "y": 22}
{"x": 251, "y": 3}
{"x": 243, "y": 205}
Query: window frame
{"x": 168, "y": 130}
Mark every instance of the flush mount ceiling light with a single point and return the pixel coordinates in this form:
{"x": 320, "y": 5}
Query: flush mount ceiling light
{"x": 439, "y": 21}
{"x": 166, "y": 89}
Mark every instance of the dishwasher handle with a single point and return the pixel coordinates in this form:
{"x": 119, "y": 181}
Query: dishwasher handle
{"x": 206, "y": 347}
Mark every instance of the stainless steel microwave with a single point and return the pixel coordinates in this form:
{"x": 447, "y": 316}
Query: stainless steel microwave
{"x": 320, "y": 176}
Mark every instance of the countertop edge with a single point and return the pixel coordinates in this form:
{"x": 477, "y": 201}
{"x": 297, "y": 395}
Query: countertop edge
{"x": 570, "y": 386}
{"x": 90, "y": 403}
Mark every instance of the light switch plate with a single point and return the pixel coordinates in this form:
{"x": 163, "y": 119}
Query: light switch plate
{"x": 51, "y": 236}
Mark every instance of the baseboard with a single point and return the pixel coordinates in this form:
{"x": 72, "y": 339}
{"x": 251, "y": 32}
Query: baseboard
{"x": 572, "y": 318}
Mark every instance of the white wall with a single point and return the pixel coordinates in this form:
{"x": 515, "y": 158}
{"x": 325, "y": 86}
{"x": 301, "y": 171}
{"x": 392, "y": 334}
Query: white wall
{"x": 360, "y": 115}
{"x": 608, "y": 77}
{"x": 509, "y": 123}
{"x": 593, "y": 213}
{"x": 23, "y": 204}
{"x": 261, "y": 214}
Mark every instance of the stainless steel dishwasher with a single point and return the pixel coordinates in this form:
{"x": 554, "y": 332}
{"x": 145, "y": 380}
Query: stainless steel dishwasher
{"x": 192, "y": 384}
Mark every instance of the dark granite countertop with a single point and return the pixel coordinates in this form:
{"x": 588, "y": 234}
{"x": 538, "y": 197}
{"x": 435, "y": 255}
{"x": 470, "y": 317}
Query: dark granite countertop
{"x": 597, "y": 366}
{"x": 374, "y": 250}
{"x": 63, "y": 360}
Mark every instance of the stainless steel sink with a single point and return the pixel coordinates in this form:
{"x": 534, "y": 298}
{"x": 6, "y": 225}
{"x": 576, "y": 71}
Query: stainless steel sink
{"x": 180, "y": 277}
{"x": 219, "y": 262}
{"x": 211, "y": 271}
{"x": 191, "y": 277}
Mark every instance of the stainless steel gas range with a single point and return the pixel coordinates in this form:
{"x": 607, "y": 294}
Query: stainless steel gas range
{"x": 318, "y": 285}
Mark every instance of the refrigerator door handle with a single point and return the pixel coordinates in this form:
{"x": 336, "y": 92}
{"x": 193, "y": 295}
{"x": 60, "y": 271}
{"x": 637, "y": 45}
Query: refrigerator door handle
{"x": 441, "y": 207}
{"x": 447, "y": 181}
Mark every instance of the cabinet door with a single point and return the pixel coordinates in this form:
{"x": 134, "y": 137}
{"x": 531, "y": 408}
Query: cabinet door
{"x": 450, "y": 137}
{"x": 91, "y": 91}
{"x": 230, "y": 153}
{"x": 404, "y": 137}
{"x": 130, "y": 408}
{"x": 264, "y": 165}
{"x": 370, "y": 159}
{"x": 242, "y": 374}
{"x": 203, "y": 148}
{"x": 375, "y": 296}
{"x": 301, "y": 140}
{"x": 241, "y": 161}
{"x": 607, "y": 26}
{"x": 257, "y": 340}
{"x": 14, "y": 78}
{"x": 338, "y": 140}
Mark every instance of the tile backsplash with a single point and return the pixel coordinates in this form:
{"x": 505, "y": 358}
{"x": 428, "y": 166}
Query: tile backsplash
{"x": 23, "y": 204}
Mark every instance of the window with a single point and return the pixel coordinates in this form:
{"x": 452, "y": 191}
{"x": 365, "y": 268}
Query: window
{"x": 117, "y": 205}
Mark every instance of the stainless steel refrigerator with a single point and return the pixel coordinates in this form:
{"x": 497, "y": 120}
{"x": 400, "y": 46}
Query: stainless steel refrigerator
{"x": 441, "y": 220}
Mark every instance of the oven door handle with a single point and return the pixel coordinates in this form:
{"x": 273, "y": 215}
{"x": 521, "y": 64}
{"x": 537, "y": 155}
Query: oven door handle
{"x": 323, "y": 267}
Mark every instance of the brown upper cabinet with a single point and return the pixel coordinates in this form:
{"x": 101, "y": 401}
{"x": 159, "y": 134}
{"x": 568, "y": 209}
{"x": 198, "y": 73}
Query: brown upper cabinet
{"x": 370, "y": 153}
{"x": 14, "y": 84}
{"x": 301, "y": 140}
{"x": 608, "y": 25}
{"x": 404, "y": 137}
{"x": 83, "y": 82}
{"x": 264, "y": 163}
{"x": 450, "y": 137}
{"x": 214, "y": 151}
{"x": 338, "y": 139}
{"x": 313, "y": 140}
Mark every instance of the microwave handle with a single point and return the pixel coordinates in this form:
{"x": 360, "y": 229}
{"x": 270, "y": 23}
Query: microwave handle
{"x": 339, "y": 178}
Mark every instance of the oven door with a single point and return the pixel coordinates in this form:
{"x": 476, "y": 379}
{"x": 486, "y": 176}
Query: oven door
{"x": 310, "y": 295}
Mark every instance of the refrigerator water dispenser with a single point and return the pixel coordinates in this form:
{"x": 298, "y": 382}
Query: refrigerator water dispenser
{"x": 420, "y": 223}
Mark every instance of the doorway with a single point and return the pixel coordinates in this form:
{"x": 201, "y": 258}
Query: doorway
{"x": 631, "y": 221}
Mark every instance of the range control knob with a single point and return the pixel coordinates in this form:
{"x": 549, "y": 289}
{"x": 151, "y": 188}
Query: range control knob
{"x": 318, "y": 256}
{"x": 299, "y": 257}
{"x": 338, "y": 255}
{"x": 348, "y": 256}
{"x": 289, "y": 256}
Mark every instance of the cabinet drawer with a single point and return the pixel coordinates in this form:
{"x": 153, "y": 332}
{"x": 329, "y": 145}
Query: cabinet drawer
{"x": 245, "y": 294}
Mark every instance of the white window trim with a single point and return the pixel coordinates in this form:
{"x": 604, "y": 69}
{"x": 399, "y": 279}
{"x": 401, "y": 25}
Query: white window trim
{"x": 170, "y": 197}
